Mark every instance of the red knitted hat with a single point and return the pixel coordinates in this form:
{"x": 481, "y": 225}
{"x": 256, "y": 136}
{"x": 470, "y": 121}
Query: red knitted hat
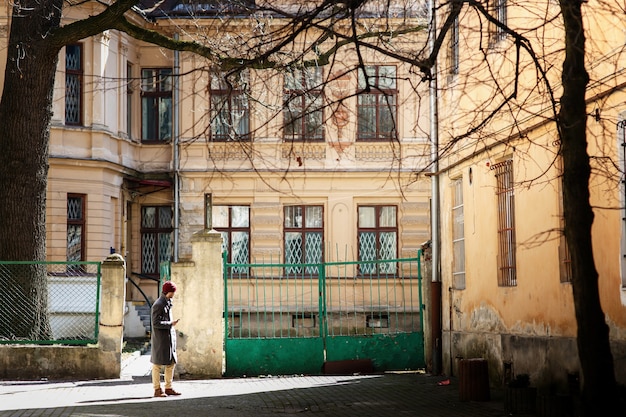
{"x": 169, "y": 286}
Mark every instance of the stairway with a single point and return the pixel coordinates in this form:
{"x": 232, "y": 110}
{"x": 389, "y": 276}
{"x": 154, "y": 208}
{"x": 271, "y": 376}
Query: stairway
{"x": 143, "y": 310}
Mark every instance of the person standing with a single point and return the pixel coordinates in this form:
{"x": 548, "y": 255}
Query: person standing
{"x": 163, "y": 341}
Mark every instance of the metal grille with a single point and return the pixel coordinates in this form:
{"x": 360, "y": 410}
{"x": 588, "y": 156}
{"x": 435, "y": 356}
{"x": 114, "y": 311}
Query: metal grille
{"x": 267, "y": 304}
{"x": 61, "y": 307}
{"x": 507, "y": 275}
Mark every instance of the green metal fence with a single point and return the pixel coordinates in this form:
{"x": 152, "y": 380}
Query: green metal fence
{"x": 49, "y": 302}
{"x": 282, "y": 322}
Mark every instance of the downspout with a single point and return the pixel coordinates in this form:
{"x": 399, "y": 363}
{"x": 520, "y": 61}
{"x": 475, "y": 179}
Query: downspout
{"x": 175, "y": 144}
{"x": 435, "y": 293}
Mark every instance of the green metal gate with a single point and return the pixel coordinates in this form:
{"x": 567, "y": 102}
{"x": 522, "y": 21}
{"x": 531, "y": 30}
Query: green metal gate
{"x": 285, "y": 319}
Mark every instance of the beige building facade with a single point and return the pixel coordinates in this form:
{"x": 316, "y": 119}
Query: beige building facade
{"x": 142, "y": 137}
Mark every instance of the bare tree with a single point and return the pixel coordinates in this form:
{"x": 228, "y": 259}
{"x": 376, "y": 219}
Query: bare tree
{"x": 38, "y": 33}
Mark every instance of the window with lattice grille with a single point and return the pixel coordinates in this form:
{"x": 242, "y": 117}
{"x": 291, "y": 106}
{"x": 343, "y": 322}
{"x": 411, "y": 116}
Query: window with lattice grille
{"x": 76, "y": 227}
{"x": 156, "y": 238}
{"x": 303, "y": 238}
{"x": 377, "y": 239}
{"x": 233, "y": 222}
{"x": 74, "y": 84}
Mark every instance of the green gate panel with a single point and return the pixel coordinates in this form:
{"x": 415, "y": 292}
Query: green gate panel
{"x": 395, "y": 352}
{"x": 283, "y": 356}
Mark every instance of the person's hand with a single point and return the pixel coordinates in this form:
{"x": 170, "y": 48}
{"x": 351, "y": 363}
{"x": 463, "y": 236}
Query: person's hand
{"x": 175, "y": 322}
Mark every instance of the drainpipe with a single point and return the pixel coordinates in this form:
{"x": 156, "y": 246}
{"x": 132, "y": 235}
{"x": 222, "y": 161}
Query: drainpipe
{"x": 435, "y": 204}
{"x": 175, "y": 144}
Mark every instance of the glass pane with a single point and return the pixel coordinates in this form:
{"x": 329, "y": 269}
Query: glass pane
{"x": 367, "y": 251}
{"x": 148, "y": 217}
{"x": 387, "y": 77}
{"x": 239, "y": 248}
{"x": 148, "y": 80}
{"x": 148, "y": 253}
{"x": 72, "y": 98}
{"x": 74, "y": 208}
{"x": 165, "y": 118}
{"x": 165, "y": 217}
{"x": 314, "y": 216}
{"x": 240, "y": 216}
{"x": 293, "y": 216}
{"x": 148, "y": 117}
{"x": 219, "y": 216}
{"x": 72, "y": 57}
{"x": 293, "y": 251}
{"x": 74, "y": 239}
{"x": 387, "y": 216}
{"x": 367, "y": 217}
{"x": 165, "y": 80}
{"x": 388, "y": 245}
{"x": 165, "y": 248}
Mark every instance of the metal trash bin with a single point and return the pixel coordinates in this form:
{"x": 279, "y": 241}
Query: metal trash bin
{"x": 474, "y": 380}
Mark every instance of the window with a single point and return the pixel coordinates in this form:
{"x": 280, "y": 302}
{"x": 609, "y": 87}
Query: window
{"x": 458, "y": 235}
{"x": 130, "y": 89}
{"x": 230, "y": 112}
{"x": 377, "y": 238}
{"x": 73, "y": 84}
{"x": 156, "y": 104}
{"x": 156, "y": 236}
{"x": 76, "y": 227}
{"x": 507, "y": 275}
{"x": 453, "y": 49}
{"x": 621, "y": 138}
{"x": 303, "y": 105}
{"x": 233, "y": 222}
{"x": 565, "y": 262}
{"x": 376, "y": 103}
{"x": 304, "y": 238}
{"x": 498, "y": 11}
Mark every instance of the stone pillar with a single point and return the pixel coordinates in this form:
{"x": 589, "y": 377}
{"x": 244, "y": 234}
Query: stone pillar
{"x": 199, "y": 304}
{"x": 111, "y": 328}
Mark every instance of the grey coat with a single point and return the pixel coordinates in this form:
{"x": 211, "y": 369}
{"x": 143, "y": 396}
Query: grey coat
{"x": 163, "y": 333}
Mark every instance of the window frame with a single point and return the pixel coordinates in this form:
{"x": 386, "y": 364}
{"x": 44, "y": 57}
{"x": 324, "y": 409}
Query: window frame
{"x": 231, "y": 96}
{"x": 306, "y": 96}
{"x": 78, "y": 74}
{"x": 159, "y": 93}
{"x": 82, "y": 222}
{"x": 499, "y": 12}
{"x": 370, "y": 89}
{"x": 157, "y": 230}
{"x": 305, "y": 231}
{"x": 227, "y": 235}
{"x": 378, "y": 230}
{"x": 458, "y": 235}
{"x": 507, "y": 246}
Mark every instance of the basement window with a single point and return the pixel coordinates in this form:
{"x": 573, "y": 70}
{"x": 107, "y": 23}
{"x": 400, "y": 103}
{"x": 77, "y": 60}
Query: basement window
{"x": 377, "y": 321}
{"x": 303, "y": 320}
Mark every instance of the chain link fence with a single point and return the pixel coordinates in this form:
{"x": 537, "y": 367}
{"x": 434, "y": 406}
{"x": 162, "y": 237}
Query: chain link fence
{"x": 49, "y": 302}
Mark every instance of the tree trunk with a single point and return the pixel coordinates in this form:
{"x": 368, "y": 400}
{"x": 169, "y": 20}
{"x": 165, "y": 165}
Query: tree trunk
{"x": 25, "y": 112}
{"x": 599, "y": 384}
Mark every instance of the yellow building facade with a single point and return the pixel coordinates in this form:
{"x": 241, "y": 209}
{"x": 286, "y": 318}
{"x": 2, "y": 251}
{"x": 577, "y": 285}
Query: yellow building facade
{"x": 506, "y": 278}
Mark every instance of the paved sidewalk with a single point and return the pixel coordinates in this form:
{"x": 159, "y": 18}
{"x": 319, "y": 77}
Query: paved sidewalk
{"x": 391, "y": 394}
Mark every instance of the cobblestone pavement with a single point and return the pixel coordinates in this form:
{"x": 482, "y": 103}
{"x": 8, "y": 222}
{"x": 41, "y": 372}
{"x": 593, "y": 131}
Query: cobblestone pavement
{"x": 390, "y": 394}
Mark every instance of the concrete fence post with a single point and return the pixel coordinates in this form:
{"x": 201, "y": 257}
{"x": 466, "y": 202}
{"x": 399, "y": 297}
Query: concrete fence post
{"x": 111, "y": 322}
{"x": 199, "y": 304}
